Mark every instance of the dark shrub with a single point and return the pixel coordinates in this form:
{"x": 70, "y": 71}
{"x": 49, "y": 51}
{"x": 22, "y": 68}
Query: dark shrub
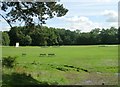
{"x": 9, "y": 61}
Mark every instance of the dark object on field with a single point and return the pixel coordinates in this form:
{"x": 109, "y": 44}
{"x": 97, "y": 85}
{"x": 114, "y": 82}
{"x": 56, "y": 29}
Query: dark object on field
{"x": 25, "y": 66}
{"x": 70, "y": 66}
{"x": 42, "y": 54}
{"x": 62, "y": 69}
{"x": 9, "y": 61}
{"x": 84, "y": 70}
{"x": 51, "y": 54}
{"x": 103, "y": 83}
{"x": 38, "y": 75}
{"x": 34, "y": 63}
{"x": 77, "y": 68}
{"x": 23, "y": 54}
{"x": 29, "y": 75}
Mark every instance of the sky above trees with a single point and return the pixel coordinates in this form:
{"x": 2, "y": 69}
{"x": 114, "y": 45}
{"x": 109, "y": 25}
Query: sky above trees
{"x": 84, "y": 15}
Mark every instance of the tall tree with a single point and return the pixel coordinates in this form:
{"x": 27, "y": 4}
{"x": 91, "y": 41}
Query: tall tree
{"x": 5, "y": 39}
{"x": 109, "y": 36}
{"x": 94, "y": 36}
{"x": 27, "y": 11}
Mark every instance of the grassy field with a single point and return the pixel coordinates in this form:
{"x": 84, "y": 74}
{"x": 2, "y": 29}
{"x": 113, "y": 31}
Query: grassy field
{"x": 71, "y": 65}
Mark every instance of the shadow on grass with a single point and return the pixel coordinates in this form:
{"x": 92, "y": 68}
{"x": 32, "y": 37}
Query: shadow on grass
{"x": 20, "y": 80}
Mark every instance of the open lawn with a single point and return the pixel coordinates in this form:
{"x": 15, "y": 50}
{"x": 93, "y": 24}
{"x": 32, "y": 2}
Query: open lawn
{"x": 64, "y": 65}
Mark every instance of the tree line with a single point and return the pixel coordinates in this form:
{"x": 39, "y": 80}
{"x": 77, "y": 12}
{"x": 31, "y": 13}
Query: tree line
{"x": 49, "y": 36}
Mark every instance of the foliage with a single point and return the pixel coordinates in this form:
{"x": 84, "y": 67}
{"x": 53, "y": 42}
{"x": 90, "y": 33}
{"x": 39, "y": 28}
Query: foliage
{"x": 5, "y": 39}
{"x": 16, "y": 35}
{"x": 26, "y": 11}
{"x": 55, "y": 36}
{"x": 27, "y": 40}
{"x": 9, "y": 61}
{"x": 109, "y": 36}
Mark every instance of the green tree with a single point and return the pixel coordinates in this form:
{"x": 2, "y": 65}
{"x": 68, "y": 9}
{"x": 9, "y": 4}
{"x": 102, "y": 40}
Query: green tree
{"x": 84, "y": 39}
{"x": 56, "y": 36}
{"x": 17, "y": 34}
{"x": 27, "y": 40}
{"x": 113, "y": 35}
{"x": 26, "y": 11}
{"x": 52, "y": 36}
{"x": 5, "y": 39}
{"x": 94, "y": 36}
{"x": 38, "y": 38}
{"x": 109, "y": 36}
{"x": 24, "y": 40}
{"x": 14, "y": 35}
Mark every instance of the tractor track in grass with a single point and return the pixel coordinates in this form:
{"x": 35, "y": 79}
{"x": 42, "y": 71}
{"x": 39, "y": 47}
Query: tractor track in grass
{"x": 59, "y": 67}
{"x": 77, "y": 68}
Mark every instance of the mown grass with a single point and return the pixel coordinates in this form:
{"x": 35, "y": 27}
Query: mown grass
{"x": 71, "y": 65}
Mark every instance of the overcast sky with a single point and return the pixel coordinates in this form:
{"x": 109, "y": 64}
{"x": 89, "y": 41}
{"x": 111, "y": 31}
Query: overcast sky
{"x": 83, "y": 15}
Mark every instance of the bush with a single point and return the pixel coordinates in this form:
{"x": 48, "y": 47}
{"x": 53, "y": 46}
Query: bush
{"x": 9, "y": 61}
